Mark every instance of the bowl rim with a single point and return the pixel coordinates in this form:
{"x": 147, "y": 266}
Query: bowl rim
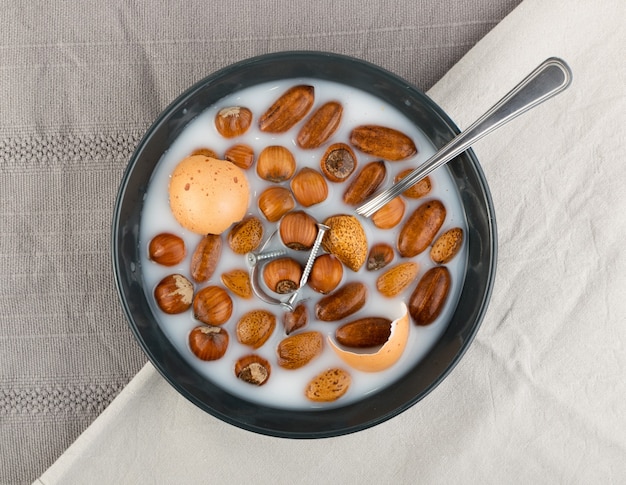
{"x": 325, "y": 418}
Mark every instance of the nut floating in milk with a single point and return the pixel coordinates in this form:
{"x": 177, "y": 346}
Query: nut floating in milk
{"x": 208, "y": 195}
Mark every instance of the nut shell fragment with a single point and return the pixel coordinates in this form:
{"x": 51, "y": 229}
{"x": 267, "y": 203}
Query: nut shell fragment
{"x": 253, "y": 369}
{"x": 295, "y": 319}
{"x": 240, "y": 155}
{"x": 238, "y": 281}
{"x": 328, "y": 386}
{"x": 420, "y": 189}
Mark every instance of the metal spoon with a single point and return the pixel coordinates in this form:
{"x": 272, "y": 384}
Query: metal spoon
{"x": 549, "y": 79}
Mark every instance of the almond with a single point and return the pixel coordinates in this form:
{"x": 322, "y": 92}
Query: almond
{"x": 328, "y": 386}
{"x": 255, "y": 327}
{"x": 365, "y": 183}
{"x": 205, "y": 257}
{"x": 320, "y": 126}
{"x": 345, "y": 301}
{"x": 420, "y": 228}
{"x": 298, "y": 350}
{"x": 346, "y": 239}
{"x": 395, "y": 280}
{"x": 287, "y": 110}
{"x": 238, "y": 281}
{"x": 245, "y": 236}
{"x": 383, "y": 142}
{"x": 447, "y": 246}
{"x": 364, "y": 332}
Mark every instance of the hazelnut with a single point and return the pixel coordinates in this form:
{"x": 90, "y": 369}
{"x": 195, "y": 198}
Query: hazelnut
{"x": 380, "y": 255}
{"x": 282, "y": 275}
{"x": 275, "y": 164}
{"x": 275, "y": 202}
{"x": 174, "y": 294}
{"x": 212, "y": 305}
{"x": 326, "y": 273}
{"x": 338, "y": 162}
{"x": 309, "y": 187}
{"x": 389, "y": 215}
{"x": 240, "y": 155}
{"x": 420, "y": 189}
{"x": 208, "y": 342}
{"x": 233, "y": 121}
{"x": 298, "y": 230}
{"x": 167, "y": 249}
{"x": 253, "y": 369}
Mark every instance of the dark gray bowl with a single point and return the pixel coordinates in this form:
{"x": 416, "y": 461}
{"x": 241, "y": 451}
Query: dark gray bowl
{"x": 378, "y": 407}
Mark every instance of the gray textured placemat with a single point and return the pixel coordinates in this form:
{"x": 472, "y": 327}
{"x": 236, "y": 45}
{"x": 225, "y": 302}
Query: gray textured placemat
{"x": 79, "y": 85}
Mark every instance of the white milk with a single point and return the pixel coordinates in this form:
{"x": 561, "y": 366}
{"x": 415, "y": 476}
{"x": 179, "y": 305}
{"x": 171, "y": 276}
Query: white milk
{"x": 285, "y": 388}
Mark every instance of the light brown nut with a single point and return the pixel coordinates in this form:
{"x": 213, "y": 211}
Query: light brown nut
{"x": 309, "y": 187}
{"x": 338, "y": 162}
{"x": 275, "y": 202}
{"x": 288, "y": 109}
{"x": 342, "y": 303}
{"x": 420, "y": 189}
{"x": 328, "y": 386}
{"x": 167, "y": 249}
{"x": 326, "y": 273}
{"x": 429, "y": 297}
{"x": 208, "y": 342}
{"x": 383, "y": 142}
{"x": 320, "y": 126}
{"x": 174, "y": 294}
{"x": 365, "y": 183}
{"x": 298, "y": 230}
{"x": 419, "y": 230}
{"x": 241, "y": 155}
{"x": 389, "y": 215}
{"x": 380, "y": 255}
{"x": 346, "y": 239}
{"x": 207, "y": 152}
{"x": 298, "y": 350}
{"x": 233, "y": 121}
{"x": 255, "y": 327}
{"x": 205, "y": 257}
{"x": 238, "y": 281}
{"x": 275, "y": 164}
{"x": 395, "y": 280}
{"x": 212, "y": 305}
{"x": 364, "y": 332}
{"x": 253, "y": 369}
{"x": 446, "y": 247}
{"x": 282, "y": 275}
{"x": 296, "y": 319}
{"x": 246, "y": 236}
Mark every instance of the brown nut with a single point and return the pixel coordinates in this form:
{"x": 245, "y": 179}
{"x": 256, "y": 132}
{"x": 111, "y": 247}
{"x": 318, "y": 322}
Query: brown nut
{"x": 345, "y": 301}
{"x": 420, "y": 189}
{"x": 326, "y": 273}
{"x": 320, "y": 126}
{"x": 389, "y": 215}
{"x": 288, "y": 109}
{"x": 395, "y": 280}
{"x": 233, "y": 121}
{"x": 253, "y": 369}
{"x": 365, "y": 183}
{"x": 446, "y": 247}
{"x": 238, "y": 281}
{"x": 166, "y": 249}
{"x": 338, "y": 162}
{"x": 380, "y": 255}
{"x": 420, "y": 228}
{"x": 346, "y": 239}
{"x": 364, "y": 332}
{"x": 275, "y": 164}
{"x": 429, "y": 297}
{"x": 309, "y": 187}
{"x": 207, "y": 152}
{"x": 298, "y": 350}
{"x": 212, "y": 305}
{"x": 275, "y": 202}
{"x": 328, "y": 386}
{"x": 205, "y": 257}
{"x": 246, "y": 236}
{"x": 298, "y": 230}
{"x": 383, "y": 142}
{"x": 255, "y": 327}
{"x": 208, "y": 342}
{"x": 174, "y": 294}
{"x": 295, "y": 319}
{"x": 282, "y": 275}
{"x": 240, "y": 155}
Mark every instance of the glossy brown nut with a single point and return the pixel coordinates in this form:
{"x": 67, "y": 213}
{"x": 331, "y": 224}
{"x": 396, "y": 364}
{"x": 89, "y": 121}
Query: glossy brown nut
{"x": 298, "y": 350}
{"x": 364, "y": 332}
{"x": 338, "y": 162}
{"x": 167, "y": 249}
{"x": 320, "y": 126}
{"x": 208, "y": 342}
{"x": 446, "y": 246}
{"x": 174, "y": 294}
{"x": 275, "y": 202}
{"x": 296, "y": 319}
{"x": 345, "y": 301}
{"x": 282, "y": 275}
{"x": 309, "y": 187}
{"x": 246, "y": 236}
{"x": 419, "y": 230}
{"x": 298, "y": 230}
{"x": 253, "y": 369}
{"x": 255, "y": 327}
{"x": 383, "y": 142}
{"x": 326, "y": 273}
{"x": 430, "y": 295}
{"x": 212, "y": 305}
{"x": 240, "y": 155}
{"x": 275, "y": 164}
{"x": 233, "y": 121}
{"x": 380, "y": 255}
{"x": 420, "y": 189}
{"x": 365, "y": 183}
{"x": 288, "y": 109}
{"x": 205, "y": 257}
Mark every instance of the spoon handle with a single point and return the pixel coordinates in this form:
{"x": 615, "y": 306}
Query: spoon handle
{"x": 546, "y": 81}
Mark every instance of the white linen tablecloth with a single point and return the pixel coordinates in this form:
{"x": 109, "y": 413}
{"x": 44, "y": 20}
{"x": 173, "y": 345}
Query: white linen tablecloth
{"x": 539, "y": 396}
